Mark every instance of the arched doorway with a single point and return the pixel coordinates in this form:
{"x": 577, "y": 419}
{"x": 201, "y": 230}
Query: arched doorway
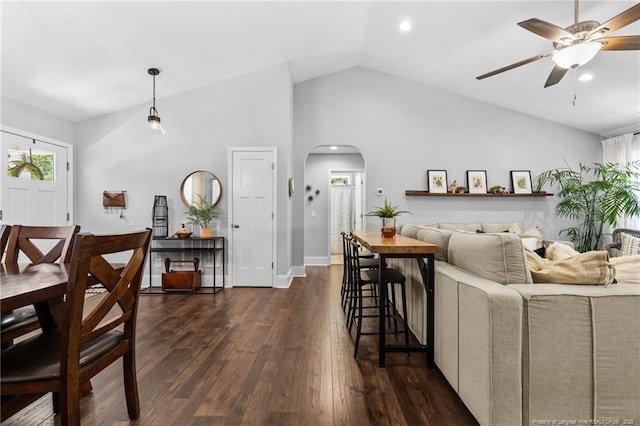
{"x": 334, "y": 199}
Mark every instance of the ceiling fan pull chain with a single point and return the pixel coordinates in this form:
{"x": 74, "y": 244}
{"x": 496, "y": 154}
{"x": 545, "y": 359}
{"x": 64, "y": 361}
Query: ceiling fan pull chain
{"x": 575, "y": 86}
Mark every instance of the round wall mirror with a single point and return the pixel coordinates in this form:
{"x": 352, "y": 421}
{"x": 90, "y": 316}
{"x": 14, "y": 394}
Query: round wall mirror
{"x": 200, "y": 184}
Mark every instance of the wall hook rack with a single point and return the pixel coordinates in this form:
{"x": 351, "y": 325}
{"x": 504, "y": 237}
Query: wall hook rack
{"x": 114, "y": 202}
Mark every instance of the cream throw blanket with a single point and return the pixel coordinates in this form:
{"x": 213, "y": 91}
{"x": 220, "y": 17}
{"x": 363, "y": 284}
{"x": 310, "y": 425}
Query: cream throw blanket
{"x": 564, "y": 265}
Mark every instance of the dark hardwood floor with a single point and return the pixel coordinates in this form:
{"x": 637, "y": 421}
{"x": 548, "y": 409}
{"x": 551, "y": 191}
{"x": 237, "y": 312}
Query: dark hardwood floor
{"x": 262, "y": 357}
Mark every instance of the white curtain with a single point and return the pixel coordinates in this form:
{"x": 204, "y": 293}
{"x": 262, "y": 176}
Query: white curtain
{"x": 341, "y": 214}
{"x": 623, "y": 149}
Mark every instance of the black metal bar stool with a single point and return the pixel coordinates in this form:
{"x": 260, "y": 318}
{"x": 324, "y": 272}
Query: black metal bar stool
{"x": 367, "y": 262}
{"x": 366, "y": 278}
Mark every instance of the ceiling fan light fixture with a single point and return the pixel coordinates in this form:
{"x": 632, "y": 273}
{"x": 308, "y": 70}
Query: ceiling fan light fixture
{"x": 576, "y": 55}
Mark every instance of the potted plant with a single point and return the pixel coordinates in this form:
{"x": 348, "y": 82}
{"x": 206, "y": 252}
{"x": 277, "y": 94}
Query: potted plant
{"x": 388, "y": 214}
{"x": 201, "y": 213}
{"x": 497, "y": 189}
{"x": 594, "y": 195}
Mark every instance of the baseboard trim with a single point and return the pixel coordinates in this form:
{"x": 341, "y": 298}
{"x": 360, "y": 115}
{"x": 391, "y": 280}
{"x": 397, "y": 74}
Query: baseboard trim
{"x": 321, "y": 260}
{"x": 284, "y": 281}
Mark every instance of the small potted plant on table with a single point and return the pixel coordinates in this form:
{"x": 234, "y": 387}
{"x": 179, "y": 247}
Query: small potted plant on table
{"x": 388, "y": 214}
{"x": 201, "y": 214}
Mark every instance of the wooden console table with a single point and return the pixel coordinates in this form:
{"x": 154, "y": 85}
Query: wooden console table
{"x": 193, "y": 245}
{"x": 401, "y": 246}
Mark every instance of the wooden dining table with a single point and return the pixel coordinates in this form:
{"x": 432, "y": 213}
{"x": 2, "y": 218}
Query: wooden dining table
{"x": 403, "y": 247}
{"x": 42, "y": 285}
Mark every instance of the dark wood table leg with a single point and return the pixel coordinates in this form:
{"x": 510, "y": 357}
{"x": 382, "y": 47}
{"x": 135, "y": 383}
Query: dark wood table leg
{"x": 427, "y": 271}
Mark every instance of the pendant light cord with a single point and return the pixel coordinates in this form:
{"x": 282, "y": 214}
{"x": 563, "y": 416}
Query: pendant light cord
{"x": 575, "y": 85}
{"x": 154, "y": 93}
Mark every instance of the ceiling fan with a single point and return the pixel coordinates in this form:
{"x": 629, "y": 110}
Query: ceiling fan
{"x": 577, "y": 44}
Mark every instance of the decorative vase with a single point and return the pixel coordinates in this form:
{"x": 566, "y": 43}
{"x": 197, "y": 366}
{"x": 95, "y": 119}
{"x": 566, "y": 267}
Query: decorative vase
{"x": 388, "y": 227}
{"x": 205, "y": 232}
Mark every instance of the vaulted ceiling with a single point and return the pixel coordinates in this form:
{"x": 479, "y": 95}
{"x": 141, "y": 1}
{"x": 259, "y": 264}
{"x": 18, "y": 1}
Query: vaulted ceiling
{"x": 79, "y": 60}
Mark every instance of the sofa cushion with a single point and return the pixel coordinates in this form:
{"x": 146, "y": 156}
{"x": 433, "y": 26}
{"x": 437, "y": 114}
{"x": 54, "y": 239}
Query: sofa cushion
{"x": 471, "y": 226}
{"x": 580, "y": 351}
{"x": 410, "y": 230}
{"x": 439, "y": 237}
{"x": 497, "y": 257}
{"x": 515, "y": 227}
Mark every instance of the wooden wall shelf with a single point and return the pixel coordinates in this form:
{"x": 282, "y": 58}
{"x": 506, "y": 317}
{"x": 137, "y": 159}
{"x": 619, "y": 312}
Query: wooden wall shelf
{"x": 416, "y": 192}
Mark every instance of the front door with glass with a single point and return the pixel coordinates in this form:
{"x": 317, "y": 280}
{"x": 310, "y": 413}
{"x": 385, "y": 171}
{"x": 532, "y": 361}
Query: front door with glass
{"x": 34, "y": 188}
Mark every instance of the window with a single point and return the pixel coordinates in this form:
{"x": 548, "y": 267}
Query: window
{"x": 340, "y": 180}
{"x": 29, "y": 163}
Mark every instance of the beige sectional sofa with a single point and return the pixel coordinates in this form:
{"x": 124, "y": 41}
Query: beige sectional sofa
{"x": 519, "y": 353}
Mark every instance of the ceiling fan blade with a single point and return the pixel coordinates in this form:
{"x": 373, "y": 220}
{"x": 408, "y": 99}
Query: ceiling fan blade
{"x": 546, "y": 30}
{"x": 516, "y": 65}
{"x": 556, "y": 75}
{"x": 625, "y": 18}
{"x": 620, "y": 43}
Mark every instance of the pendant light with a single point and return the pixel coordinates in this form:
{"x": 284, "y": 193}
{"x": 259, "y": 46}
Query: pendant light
{"x": 154, "y": 118}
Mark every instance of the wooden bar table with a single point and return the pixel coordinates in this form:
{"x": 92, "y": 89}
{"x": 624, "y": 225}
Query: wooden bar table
{"x": 403, "y": 247}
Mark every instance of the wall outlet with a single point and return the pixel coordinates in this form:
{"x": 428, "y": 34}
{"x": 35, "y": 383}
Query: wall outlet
{"x": 380, "y": 191}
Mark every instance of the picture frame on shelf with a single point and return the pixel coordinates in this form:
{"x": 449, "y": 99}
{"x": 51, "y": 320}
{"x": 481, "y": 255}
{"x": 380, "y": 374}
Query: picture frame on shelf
{"x": 521, "y": 181}
{"x": 437, "y": 181}
{"x": 477, "y": 181}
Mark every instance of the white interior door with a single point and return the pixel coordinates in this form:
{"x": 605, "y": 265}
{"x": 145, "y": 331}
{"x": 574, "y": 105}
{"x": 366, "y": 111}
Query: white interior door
{"x": 253, "y": 218}
{"x": 34, "y": 189}
{"x": 359, "y": 201}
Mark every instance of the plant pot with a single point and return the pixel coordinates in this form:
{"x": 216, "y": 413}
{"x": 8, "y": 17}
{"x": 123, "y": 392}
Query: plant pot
{"x": 388, "y": 232}
{"x": 388, "y": 227}
{"x": 205, "y": 232}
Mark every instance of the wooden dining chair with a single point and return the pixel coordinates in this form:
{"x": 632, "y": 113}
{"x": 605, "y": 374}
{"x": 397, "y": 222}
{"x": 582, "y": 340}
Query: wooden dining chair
{"x": 25, "y": 239}
{"x": 4, "y": 237}
{"x": 60, "y": 360}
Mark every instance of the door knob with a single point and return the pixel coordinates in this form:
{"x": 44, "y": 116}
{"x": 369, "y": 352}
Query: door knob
{"x": 236, "y": 226}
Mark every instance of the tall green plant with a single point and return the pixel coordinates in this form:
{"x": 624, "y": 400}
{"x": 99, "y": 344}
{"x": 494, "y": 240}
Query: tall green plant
{"x": 594, "y": 195}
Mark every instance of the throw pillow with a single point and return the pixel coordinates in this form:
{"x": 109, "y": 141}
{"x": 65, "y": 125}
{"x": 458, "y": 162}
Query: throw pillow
{"x": 630, "y": 245}
{"x": 534, "y": 233}
{"x": 560, "y": 251}
{"x": 592, "y": 267}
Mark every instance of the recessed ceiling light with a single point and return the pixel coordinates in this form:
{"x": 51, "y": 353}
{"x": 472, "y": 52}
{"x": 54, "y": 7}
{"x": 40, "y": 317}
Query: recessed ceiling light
{"x": 333, "y": 148}
{"x": 585, "y": 77}
{"x": 405, "y": 25}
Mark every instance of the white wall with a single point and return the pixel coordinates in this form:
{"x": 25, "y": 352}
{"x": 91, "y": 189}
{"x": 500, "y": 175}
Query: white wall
{"x": 403, "y": 129}
{"x": 119, "y": 152}
{"x": 317, "y": 175}
{"x": 21, "y": 117}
